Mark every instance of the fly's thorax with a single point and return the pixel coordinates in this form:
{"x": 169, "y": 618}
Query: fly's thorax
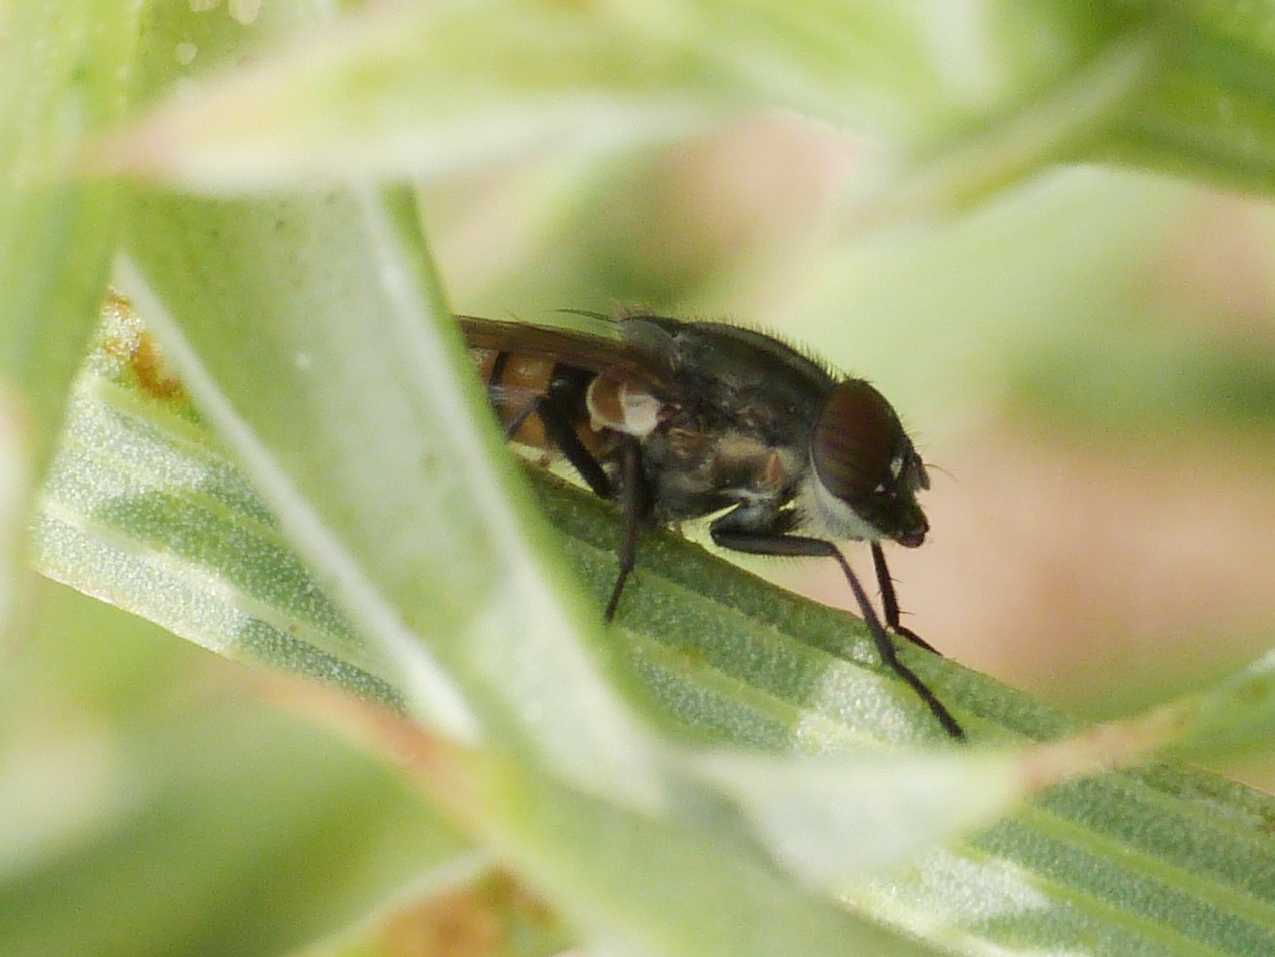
{"x": 864, "y": 472}
{"x": 696, "y": 471}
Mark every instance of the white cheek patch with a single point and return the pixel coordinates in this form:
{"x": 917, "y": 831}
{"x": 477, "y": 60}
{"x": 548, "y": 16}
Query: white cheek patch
{"x": 828, "y": 516}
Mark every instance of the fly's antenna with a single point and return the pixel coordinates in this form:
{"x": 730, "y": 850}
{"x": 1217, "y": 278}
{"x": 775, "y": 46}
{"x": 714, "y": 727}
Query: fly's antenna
{"x": 938, "y": 468}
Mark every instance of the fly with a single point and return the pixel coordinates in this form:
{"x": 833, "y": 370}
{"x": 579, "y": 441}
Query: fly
{"x": 679, "y": 419}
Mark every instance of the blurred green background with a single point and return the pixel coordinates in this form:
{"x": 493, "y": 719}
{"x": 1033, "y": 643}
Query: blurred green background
{"x": 1087, "y": 357}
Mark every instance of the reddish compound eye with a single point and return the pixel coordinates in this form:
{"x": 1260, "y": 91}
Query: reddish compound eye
{"x": 855, "y": 441}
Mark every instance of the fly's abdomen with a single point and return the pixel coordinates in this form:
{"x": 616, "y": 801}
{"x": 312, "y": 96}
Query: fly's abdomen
{"x": 515, "y": 382}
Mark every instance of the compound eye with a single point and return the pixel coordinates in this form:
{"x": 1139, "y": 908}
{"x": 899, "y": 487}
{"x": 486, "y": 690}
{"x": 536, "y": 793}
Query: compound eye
{"x": 856, "y": 438}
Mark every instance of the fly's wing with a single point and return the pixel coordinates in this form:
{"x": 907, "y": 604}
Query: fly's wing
{"x": 600, "y": 345}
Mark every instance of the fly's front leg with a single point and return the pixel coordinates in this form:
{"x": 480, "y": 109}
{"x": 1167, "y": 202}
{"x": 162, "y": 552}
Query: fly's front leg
{"x": 890, "y": 601}
{"x": 771, "y": 543}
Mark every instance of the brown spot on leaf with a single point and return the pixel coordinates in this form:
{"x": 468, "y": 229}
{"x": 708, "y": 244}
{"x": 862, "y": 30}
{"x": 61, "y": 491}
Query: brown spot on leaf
{"x": 147, "y": 363}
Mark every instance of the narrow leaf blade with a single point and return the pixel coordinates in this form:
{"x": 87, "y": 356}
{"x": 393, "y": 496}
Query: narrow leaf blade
{"x": 371, "y": 449}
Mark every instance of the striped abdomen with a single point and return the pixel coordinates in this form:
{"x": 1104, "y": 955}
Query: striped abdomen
{"x": 516, "y": 381}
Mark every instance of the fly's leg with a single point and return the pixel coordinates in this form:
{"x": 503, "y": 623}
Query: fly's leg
{"x": 560, "y": 432}
{"x": 890, "y": 602}
{"x": 634, "y": 500}
{"x": 769, "y": 543}
{"x": 633, "y": 494}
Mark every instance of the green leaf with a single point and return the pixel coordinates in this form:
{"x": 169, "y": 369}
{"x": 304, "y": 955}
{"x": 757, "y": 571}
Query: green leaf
{"x": 651, "y": 885}
{"x": 144, "y": 510}
{"x": 360, "y": 436}
{"x": 832, "y": 818}
{"x": 665, "y": 888}
{"x": 311, "y": 333}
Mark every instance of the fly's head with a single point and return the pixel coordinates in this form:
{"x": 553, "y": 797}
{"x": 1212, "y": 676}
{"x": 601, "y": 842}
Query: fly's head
{"x": 866, "y": 472}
